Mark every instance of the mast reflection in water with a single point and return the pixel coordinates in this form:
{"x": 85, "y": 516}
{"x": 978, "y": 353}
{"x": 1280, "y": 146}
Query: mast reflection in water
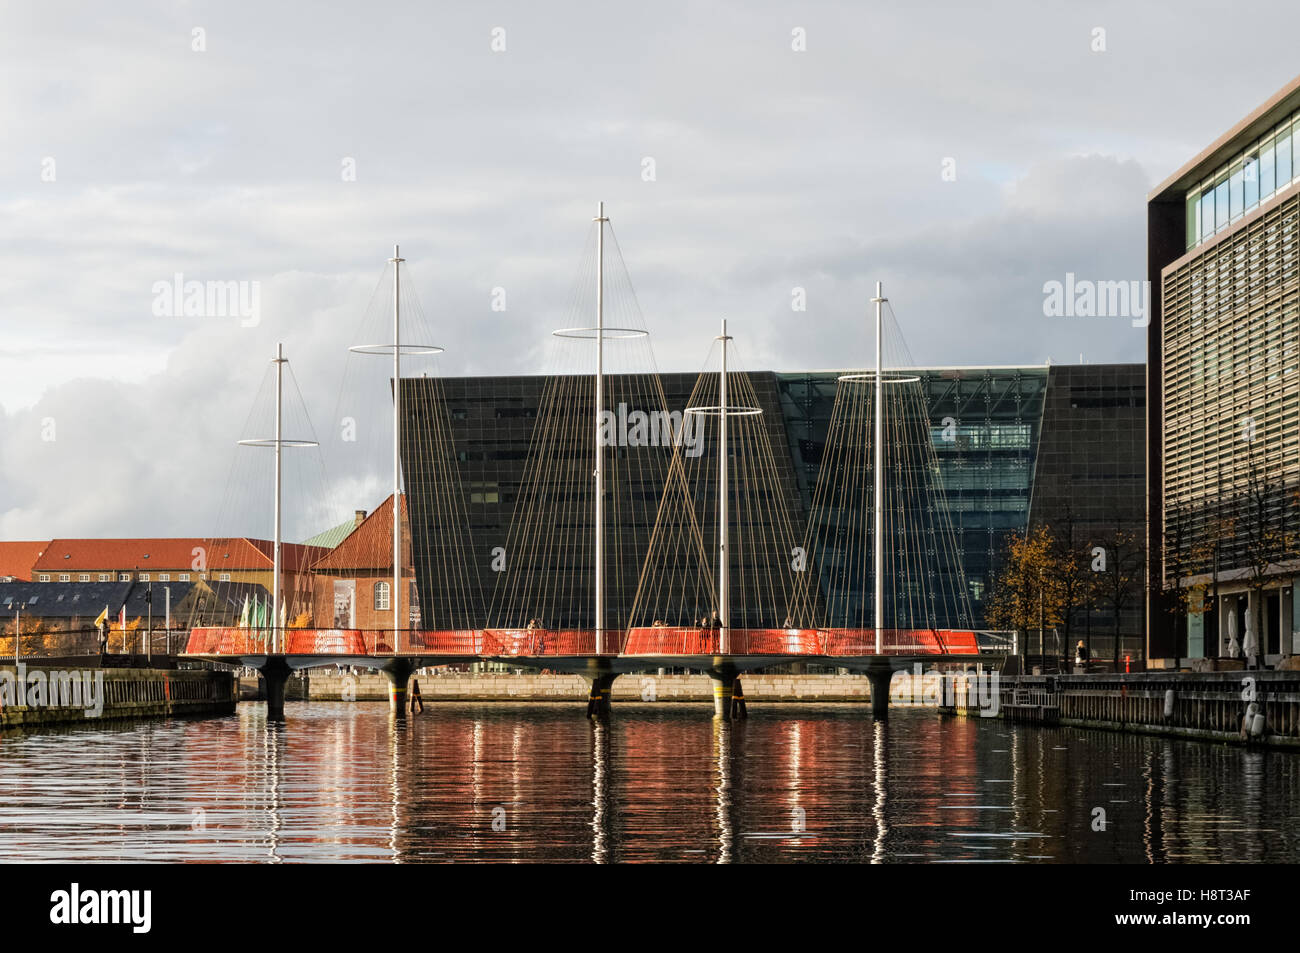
{"x": 657, "y": 783}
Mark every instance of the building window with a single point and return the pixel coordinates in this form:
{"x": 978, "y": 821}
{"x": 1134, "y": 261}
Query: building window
{"x": 45, "y": 577}
{"x": 83, "y": 577}
{"x": 164, "y": 577}
{"x": 381, "y": 597}
{"x": 144, "y": 577}
{"x": 184, "y": 577}
{"x": 223, "y": 577}
{"x": 124, "y": 577}
{"x": 105, "y": 577}
{"x": 64, "y": 577}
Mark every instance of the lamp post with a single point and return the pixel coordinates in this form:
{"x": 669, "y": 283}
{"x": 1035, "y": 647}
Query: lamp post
{"x": 1042, "y": 634}
{"x": 18, "y": 630}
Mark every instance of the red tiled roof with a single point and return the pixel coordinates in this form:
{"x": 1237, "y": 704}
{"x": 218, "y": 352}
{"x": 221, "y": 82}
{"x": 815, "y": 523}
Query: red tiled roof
{"x": 370, "y": 545}
{"x": 171, "y": 555}
{"x": 17, "y": 559}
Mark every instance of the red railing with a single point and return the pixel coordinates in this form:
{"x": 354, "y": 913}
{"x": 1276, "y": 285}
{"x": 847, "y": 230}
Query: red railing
{"x": 515, "y": 642}
{"x": 646, "y": 640}
{"x": 235, "y": 641}
{"x": 848, "y": 642}
{"x": 667, "y": 640}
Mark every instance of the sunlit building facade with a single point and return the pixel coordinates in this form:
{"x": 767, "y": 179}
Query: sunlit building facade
{"x": 1224, "y": 422}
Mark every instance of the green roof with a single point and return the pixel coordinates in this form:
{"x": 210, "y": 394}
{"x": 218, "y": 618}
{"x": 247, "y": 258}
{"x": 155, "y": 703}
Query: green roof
{"x": 332, "y": 537}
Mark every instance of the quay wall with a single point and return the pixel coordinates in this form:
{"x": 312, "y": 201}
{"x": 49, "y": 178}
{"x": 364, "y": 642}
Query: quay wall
{"x": 114, "y": 693}
{"x": 1212, "y": 706}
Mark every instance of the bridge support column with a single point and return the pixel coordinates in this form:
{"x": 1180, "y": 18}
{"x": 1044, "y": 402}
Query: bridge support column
{"x": 598, "y": 699}
{"x": 728, "y": 697}
{"x": 398, "y": 673}
{"x": 879, "y": 679}
{"x": 275, "y": 676}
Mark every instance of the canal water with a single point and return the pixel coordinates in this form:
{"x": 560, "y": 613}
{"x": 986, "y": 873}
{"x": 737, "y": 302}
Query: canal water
{"x": 505, "y": 782}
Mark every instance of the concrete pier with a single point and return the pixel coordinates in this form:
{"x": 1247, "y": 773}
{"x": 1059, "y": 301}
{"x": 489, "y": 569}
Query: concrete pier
{"x": 598, "y": 698}
{"x": 723, "y": 693}
{"x": 879, "y": 679}
{"x": 398, "y": 674}
{"x": 275, "y": 675}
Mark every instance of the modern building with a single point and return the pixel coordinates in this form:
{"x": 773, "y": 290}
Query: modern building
{"x": 1224, "y": 392}
{"x": 1061, "y": 445}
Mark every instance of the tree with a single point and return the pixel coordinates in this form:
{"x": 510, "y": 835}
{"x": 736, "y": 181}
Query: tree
{"x": 1023, "y": 595}
{"x": 34, "y": 632}
{"x": 1192, "y": 569}
{"x": 1070, "y": 576}
{"x": 1117, "y": 566}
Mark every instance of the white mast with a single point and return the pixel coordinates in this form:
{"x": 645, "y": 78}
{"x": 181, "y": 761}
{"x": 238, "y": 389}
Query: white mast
{"x": 724, "y": 580}
{"x": 276, "y": 635}
{"x": 600, "y": 413}
{"x": 275, "y": 640}
{"x": 879, "y": 475}
{"x": 396, "y": 600}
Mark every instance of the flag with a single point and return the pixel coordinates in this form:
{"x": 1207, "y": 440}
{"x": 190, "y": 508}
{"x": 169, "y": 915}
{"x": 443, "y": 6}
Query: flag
{"x": 101, "y": 618}
{"x": 123, "y": 617}
{"x": 284, "y": 614}
{"x": 243, "y": 616}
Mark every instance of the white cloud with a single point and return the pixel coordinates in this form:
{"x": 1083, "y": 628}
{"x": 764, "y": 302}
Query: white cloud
{"x": 775, "y": 169}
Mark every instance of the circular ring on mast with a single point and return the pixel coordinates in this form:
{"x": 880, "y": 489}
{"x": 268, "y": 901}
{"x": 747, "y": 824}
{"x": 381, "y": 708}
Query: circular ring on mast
{"x": 733, "y": 410}
{"x": 610, "y": 334}
{"x": 271, "y": 442}
{"x": 886, "y": 377}
{"x": 403, "y": 348}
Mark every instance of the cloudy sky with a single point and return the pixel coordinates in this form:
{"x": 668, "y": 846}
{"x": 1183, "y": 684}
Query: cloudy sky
{"x": 291, "y": 144}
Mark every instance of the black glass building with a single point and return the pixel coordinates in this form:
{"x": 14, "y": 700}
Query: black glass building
{"x": 1012, "y": 445}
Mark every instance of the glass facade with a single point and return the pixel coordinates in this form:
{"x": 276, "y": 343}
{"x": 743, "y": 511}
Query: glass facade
{"x": 1253, "y": 176}
{"x": 1012, "y": 445}
{"x": 984, "y": 426}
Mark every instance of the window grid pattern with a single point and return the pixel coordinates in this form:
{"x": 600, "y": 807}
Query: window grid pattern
{"x": 1231, "y": 340}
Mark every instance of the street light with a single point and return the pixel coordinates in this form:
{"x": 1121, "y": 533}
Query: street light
{"x": 18, "y": 630}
